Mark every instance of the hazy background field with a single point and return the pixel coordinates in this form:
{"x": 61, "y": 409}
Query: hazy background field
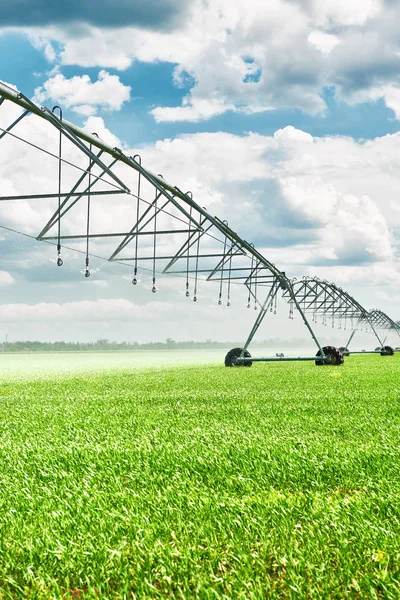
{"x": 47, "y": 364}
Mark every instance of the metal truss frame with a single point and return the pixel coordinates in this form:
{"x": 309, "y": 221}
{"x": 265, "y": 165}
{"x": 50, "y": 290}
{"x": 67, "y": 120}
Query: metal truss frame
{"x": 207, "y": 248}
{"x": 333, "y": 304}
{"x": 376, "y": 320}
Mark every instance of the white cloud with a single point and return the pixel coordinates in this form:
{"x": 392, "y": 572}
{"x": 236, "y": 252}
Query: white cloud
{"x": 197, "y": 110}
{"x": 85, "y": 109}
{"x": 43, "y": 43}
{"x": 83, "y": 96}
{"x": 324, "y": 42}
{"x": 390, "y": 94}
{"x": 6, "y": 278}
{"x": 50, "y": 53}
{"x": 312, "y": 206}
{"x": 250, "y": 56}
{"x": 97, "y": 125}
{"x": 344, "y": 13}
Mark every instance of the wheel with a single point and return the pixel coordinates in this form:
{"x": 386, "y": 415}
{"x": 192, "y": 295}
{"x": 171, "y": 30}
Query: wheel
{"x": 345, "y": 351}
{"x": 233, "y": 355}
{"x": 333, "y": 356}
{"x": 387, "y": 351}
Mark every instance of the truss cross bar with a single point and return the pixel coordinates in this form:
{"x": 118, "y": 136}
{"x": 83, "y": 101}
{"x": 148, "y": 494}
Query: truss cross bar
{"x": 191, "y": 241}
{"x": 203, "y": 271}
{"x": 110, "y": 235}
{"x": 57, "y": 215}
{"x": 239, "y": 268}
{"x": 313, "y": 304}
{"x": 306, "y": 290}
{"x": 254, "y": 273}
{"x": 62, "y": 195}
{"x": 62, "y": 211}
{"x": 199, "y": 255}
{"x": 229, "y": 255}
{"x": 322, "y": 291}
{"x": 135, "y": 229}
{"x": 339, "y": 308}
{"x": 332, "y": 308}
{"x": 158, "y": 258}
{"x": 242, "y": 278}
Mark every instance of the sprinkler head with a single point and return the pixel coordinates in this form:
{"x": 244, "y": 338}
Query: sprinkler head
{"x": 228, "y": 303}
{"x": 87, "y": 273}
{"x": 134, "y": 281}
{"x": 219, "y": 302}
{"x": 187, "y": 294}
{"x": 154, "y": 289}
{"x": 194, "y": 299}
{"x": 59, "y": 262}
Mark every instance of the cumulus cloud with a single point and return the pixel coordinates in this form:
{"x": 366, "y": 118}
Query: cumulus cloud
{"x": 331, "y": 13}
{"x": 6, "y": 278}
{"x": 83, "y": 96}
{"x": 248, "y": 57}
{"x": 191, "y": 110}
{"x": 85, "y": 110}
{"x": 96, "y": 125}
{"x": 292, "y": 189}
{"x": 324, "y": 42}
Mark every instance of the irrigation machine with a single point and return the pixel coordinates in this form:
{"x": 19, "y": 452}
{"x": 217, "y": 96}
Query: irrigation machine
{"x": 155, "y": 226}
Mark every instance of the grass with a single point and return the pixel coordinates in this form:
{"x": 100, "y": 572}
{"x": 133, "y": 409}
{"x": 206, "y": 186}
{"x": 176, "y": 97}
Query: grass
{"x": 279, "y": 481}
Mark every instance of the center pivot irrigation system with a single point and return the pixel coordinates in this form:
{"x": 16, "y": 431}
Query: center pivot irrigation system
{"x": 96, "y": 199}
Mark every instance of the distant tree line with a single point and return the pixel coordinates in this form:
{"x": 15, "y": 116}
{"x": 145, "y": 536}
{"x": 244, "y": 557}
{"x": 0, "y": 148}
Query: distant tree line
{"x": 104, "y": 345}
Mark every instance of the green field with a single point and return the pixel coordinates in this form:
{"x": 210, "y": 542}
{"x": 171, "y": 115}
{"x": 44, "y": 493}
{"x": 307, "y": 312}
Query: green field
{"x": 279, "y": 481}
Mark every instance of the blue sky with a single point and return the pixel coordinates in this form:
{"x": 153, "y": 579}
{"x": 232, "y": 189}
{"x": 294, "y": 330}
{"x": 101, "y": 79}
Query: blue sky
{"x": 283, "y": 116}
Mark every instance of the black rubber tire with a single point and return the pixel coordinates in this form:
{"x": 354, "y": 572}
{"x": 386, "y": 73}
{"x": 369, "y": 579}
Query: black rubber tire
{"x": 345, "y": 351}
{"x": 387, "y": 351}
{"x": 333, "y": 357}
{"x": 235, "y": 353}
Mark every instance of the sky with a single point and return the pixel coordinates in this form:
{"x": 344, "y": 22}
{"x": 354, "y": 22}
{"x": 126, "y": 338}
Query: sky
{"x": 281, "y": 116}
